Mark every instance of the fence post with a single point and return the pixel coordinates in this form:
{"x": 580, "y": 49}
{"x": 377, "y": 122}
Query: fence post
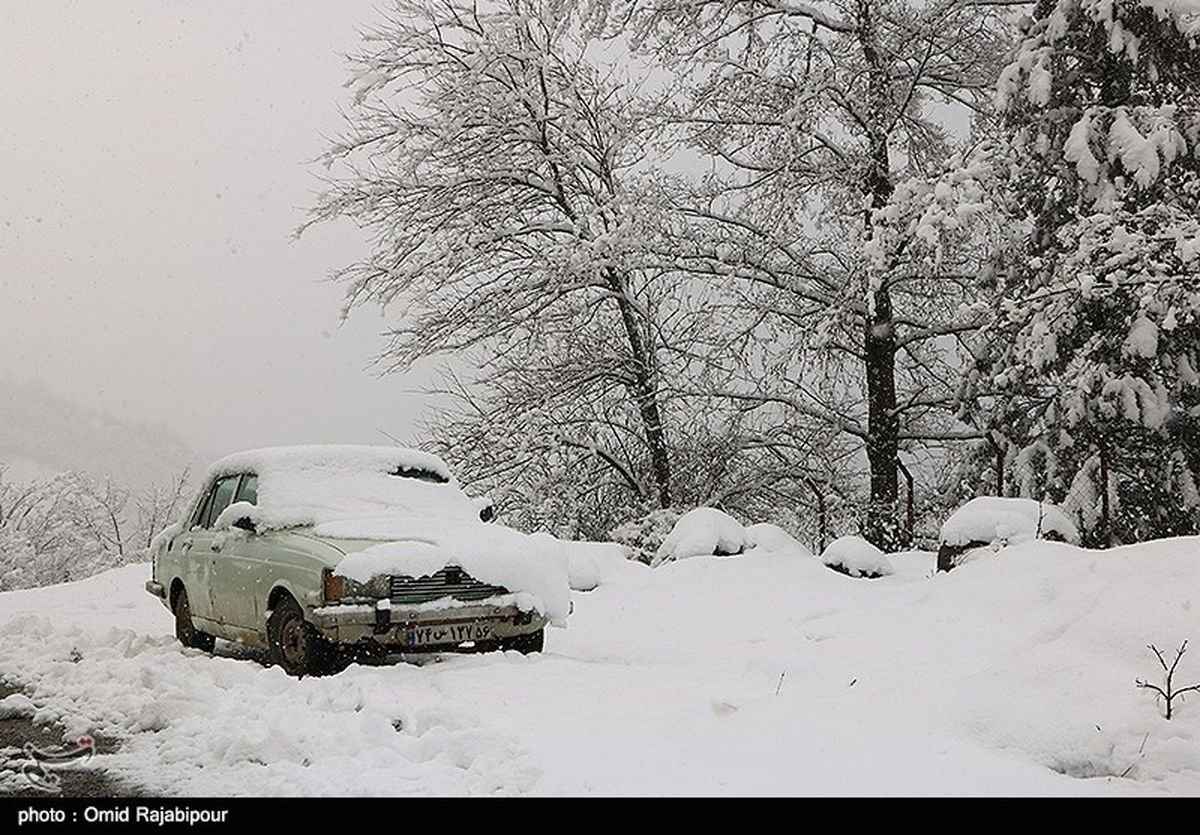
{"x": 1105, "y": 518}
{"x": 1000, "y": 456}
{"x": 909, "y": 514}
{"x": 822, "y": 521}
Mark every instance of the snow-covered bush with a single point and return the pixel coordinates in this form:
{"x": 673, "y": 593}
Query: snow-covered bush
{"x": 989, "y": 520}
{"x": 589, "y": 562}
{"x": 644, "y": 536}
{"x": 994, "y": 522}
{"x": 1092, "y": 374}
{"x": 71, "y": 526}
{"x": 855, "y": 557}
{"x": 769, "y": 538}
{"x": 704, "y": 531}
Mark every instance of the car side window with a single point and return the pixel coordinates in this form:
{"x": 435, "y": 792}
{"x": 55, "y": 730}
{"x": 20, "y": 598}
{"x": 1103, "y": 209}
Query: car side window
{"x": 222, "y": 496}
{"x": 248, "y": 489}
{"x": 202, "y": 513}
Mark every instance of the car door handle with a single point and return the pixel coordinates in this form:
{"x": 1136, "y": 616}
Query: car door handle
{"x": 185, "y": 546}
{"x": 216, "y": 546}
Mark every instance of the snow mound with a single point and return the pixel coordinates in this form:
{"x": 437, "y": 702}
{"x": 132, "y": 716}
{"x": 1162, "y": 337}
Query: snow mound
{"x": 772, "y": 539}
{"x": 17, "y": 706}
{"x": 704, "y": 531}
{"x": 992, "y": 520}
{"x": 588, "y": 563}
{"x": 856, "y": 557}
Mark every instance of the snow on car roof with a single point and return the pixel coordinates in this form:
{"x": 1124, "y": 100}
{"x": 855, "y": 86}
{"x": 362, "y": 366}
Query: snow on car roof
{"x": 330, "y": 457}
{"x": 350, "y": 486}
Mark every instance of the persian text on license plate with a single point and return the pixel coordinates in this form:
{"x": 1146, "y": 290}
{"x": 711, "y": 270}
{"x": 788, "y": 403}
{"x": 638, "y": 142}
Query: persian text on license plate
{"x": 455, "y": 633}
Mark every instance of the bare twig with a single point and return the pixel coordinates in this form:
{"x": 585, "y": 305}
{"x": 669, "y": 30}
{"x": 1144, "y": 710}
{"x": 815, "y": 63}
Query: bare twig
{"x": 1168, "y": 693}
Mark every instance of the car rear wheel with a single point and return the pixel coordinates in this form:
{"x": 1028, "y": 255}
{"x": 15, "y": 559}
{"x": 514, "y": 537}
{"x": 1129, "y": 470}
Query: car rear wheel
{"x": 296, "y": 646}
{"x": 185, "y": 630}
{"x": 525, "y": 644}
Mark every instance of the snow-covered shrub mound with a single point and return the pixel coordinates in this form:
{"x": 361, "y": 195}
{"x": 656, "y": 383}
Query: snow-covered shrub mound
{"x": 644, "y": 536}
{"x": 991, "y": 520}
{"x": 704, "y": 531}
{"x": 854, "y": 556}
{"x": 767, "y": 538}
{"x": 588, "y": 563}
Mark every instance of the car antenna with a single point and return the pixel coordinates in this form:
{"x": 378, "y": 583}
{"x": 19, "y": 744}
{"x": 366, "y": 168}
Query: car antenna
{"x": 389, "y": 436}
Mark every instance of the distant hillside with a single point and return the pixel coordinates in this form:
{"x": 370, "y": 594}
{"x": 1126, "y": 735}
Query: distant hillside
{"x": 42, "y": 434}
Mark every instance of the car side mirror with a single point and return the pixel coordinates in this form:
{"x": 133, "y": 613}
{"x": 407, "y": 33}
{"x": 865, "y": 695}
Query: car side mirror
{"x": 246, "y": 524}
{"x": 487, "y": 513}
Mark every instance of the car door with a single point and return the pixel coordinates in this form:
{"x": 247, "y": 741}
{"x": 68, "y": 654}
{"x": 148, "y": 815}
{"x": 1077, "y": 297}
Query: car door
{"x": 194, "y": 556}
{"x": 238, "y": 572}
{"x": 202, "y": 543}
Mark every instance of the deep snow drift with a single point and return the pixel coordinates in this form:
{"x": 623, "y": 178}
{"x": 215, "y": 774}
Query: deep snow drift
{"x": 764, "y": 673}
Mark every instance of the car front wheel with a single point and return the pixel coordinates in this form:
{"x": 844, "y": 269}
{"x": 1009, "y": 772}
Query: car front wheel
{"x": 186, "y": 631}
{"x": 296, "y": 646}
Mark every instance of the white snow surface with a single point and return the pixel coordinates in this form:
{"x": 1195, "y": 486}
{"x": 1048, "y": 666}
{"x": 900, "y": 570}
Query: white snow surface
{"x": 857, "y": 557}
{"x": 702, "y": 532}
{"x": 753, "y": 675}
{"x": 1005, "y": 521}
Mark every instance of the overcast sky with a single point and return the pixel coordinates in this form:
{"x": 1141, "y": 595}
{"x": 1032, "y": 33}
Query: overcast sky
{"x": 153, "y": 165}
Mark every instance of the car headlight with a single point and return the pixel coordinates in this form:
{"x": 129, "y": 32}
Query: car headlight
{"x": 345, "y": 590}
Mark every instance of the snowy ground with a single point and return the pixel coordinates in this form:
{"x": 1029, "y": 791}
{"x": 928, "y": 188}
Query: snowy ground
{"x": 758, "y": 674}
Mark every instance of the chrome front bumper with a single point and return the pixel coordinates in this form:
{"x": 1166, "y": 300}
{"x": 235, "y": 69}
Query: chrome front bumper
{"x": 396, "y": 625}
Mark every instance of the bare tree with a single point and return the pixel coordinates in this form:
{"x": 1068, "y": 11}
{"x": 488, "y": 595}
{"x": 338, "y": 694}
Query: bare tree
{"x": 811, "y": 114}
{"x": 497, "y": 171}
{"x": 98, "y": 511}
{"x": 159, "y": 505}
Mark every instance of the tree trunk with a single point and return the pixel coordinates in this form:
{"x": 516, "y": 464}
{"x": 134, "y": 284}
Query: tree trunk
{"x": 645, "y": 391}
{"x": 883, "y": 427}
{"x": 879, "y": 337}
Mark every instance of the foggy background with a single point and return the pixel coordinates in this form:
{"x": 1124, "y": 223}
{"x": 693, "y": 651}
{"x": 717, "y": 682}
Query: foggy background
{"x": 154, "y": 163}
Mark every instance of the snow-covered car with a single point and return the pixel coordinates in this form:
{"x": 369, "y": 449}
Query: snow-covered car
{"x": 311, "y": 552}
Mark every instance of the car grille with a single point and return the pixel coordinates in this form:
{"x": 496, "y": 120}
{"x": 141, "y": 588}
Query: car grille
{"x": 448, "y": 582}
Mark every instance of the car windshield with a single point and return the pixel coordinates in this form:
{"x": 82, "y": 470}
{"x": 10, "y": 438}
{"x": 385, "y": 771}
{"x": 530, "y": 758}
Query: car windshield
{"x": 420, "y": 474}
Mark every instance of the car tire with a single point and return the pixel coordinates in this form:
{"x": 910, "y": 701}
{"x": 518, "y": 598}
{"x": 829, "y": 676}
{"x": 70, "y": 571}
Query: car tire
{"x": 185, "y": 630}
{"x": 296, "y": 646}
{"x": 525, "y": 644}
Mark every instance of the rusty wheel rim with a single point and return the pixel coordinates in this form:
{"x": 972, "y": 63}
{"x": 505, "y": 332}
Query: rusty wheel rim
{"x": 183, "y": 620}
{"x": 291, "y": 641}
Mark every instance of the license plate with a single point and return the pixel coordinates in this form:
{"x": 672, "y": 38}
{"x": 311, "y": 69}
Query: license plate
{"x": 454, "y": 633}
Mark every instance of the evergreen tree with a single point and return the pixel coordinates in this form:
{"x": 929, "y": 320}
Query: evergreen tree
{"x": 1096, "y": 342}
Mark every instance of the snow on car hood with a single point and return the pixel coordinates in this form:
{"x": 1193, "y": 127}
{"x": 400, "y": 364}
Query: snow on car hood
{"x": 354, "y": 493}
{"x": 533, "y": 565}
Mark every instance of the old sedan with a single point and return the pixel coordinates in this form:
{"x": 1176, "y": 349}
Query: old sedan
{"x": 311, "y": 552}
